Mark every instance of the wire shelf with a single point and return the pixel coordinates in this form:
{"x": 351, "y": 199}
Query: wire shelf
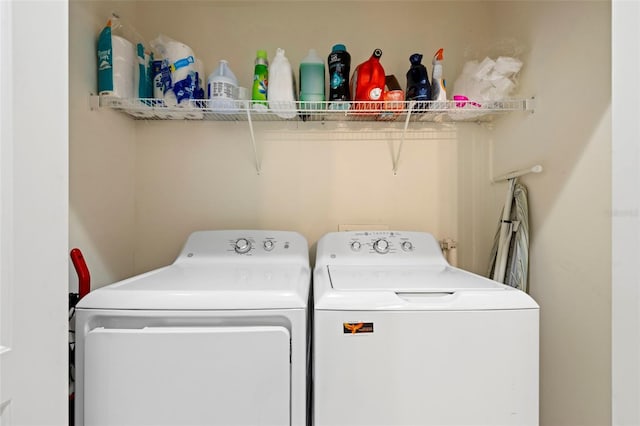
{"x": 232, "y": 110}
{"x": 404, "y": 112}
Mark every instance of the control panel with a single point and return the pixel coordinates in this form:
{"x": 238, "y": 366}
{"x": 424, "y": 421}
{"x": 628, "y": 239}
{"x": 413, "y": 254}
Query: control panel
{"x": 249, "y": 245}
{"x": 378, "y": 247}
{"x": 380, "y": 242}
{"x": 243, "y": 244}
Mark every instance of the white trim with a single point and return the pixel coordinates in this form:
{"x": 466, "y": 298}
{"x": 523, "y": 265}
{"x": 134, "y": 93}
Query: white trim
{"x": 625, "y": 219}
{"x": 6, "y": 170}
{"x": 6, "y": 201}
{"x": 35, "y": 209}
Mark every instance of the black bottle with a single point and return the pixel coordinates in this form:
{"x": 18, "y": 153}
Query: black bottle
{"x": 418, "y": 87}
{"x": 339, "y": 67}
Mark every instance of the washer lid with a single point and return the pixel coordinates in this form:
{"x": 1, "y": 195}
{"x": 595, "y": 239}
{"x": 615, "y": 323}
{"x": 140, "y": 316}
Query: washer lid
{"x": 432, "y": 279}
{"x": 412, "y": 288}
{"x": 207, "y": 287}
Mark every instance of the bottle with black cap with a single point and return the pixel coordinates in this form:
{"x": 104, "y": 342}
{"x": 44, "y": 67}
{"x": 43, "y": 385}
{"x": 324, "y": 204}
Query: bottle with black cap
{"x": 418, "y": 86}
{"x": 339, "y": 62}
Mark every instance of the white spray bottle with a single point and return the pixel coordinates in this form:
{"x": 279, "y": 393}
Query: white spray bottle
{"x": 438, "y": 90}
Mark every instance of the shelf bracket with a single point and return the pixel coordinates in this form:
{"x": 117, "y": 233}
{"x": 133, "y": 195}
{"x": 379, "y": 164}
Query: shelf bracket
{"x": 517, "y": 173}
{"x": 530, "y": 104}
{"x": 94, "y": 102}
{"x": 396, "y": 157}
{"x": 253, "y": 141}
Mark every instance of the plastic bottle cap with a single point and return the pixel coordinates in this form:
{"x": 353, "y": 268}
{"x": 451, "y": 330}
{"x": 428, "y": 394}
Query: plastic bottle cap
{"x": 339, "y": 48}
{"x": 262, "y": 54}
{"x": 416, "y": 58}
{"x": 377, "y": 53}
{"x": 312, "y": 58}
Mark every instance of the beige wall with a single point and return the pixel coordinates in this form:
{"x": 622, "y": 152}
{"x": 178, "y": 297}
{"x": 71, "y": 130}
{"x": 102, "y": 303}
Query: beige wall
{"x": 569, "y": 72}
{"x": 102, "y": 156}
{"x": 136, "y": 194}
{"x": 313, "y": 179}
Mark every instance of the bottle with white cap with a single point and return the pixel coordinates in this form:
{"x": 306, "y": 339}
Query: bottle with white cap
{"x": 312, "y": 81}
{"x": 222, "y": 86}
{"x": 281, "y": 94}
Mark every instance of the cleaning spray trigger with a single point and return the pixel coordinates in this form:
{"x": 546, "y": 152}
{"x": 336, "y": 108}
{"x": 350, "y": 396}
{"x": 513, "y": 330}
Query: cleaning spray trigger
{"x": 438, "y": 91}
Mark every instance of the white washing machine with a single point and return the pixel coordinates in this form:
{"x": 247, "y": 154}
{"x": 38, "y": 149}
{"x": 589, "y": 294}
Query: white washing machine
{"x": 217, "y": 338}
{"x": 401, "y": 338}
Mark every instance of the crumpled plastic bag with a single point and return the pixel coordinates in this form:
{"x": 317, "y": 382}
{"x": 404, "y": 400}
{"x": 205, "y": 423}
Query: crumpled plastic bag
{"x": 489, "y": 80}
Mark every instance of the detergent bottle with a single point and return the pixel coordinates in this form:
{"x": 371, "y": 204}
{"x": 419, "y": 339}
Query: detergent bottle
{"x": 418, "y": 86}
{"x": 260, "y": 81}
{"x": 438, "y": 91}
{"x": 222, "y": 86}
{"x": 339, "y": 61}
{"x": 368, "y": 81}
{"x": 312, "y": 81}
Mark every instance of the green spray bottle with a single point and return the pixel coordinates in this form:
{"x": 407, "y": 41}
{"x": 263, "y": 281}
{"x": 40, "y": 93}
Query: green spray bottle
{"x": 260, "y": 80}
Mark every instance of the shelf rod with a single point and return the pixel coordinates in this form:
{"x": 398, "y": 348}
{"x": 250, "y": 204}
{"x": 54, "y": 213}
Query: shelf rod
{"x": 517, "y": 173}
{"x": 396, "y": 160}
{"x": 253, "y": 141}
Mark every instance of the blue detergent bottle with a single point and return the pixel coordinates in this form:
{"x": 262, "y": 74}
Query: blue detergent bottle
{"x": 418, "y": 86}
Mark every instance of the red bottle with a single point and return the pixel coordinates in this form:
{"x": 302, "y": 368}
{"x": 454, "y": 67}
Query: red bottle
{"x": 368, "y": 81}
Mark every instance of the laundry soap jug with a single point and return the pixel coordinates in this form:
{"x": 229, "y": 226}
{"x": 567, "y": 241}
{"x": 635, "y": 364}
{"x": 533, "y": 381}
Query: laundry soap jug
{"x": 339, "y": 62}
{"x": 368, "y": 81}
{"x": 418, "y": 86}
{"x": 281, "y": 94}
{"x": 438, "y": 90}
{"x": 260, "y": 81}
{"x": 312, "y": 81}
{"x": 222, "y": 87}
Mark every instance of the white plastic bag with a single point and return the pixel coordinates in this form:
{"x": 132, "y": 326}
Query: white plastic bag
{"x": 489, "y": 80}
{"x": 182, "y": 64}
{"x": 281, "y": 93}
{"x": 124, "y": 66}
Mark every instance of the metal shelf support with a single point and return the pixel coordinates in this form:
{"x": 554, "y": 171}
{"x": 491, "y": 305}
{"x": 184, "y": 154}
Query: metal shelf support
{"x": 396, "y": 158}
{"x": 253, "y": 143}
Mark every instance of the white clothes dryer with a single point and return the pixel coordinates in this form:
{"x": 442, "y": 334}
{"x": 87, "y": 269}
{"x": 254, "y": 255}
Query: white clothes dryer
{"x": 402, "y": 338}
{"x": 217, "y": 338}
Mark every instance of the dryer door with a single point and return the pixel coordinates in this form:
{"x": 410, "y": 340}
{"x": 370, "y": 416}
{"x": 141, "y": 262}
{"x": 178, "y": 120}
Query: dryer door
{"x": 219, "y": 376}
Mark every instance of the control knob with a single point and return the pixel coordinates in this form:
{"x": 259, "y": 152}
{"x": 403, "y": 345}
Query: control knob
{"x": 356, "y": 246}
{"x": 381, "y": 246}
{"x": 407, "y": 246}
{"x": 268, "y": 245}
{"x": 242, "y": 246}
